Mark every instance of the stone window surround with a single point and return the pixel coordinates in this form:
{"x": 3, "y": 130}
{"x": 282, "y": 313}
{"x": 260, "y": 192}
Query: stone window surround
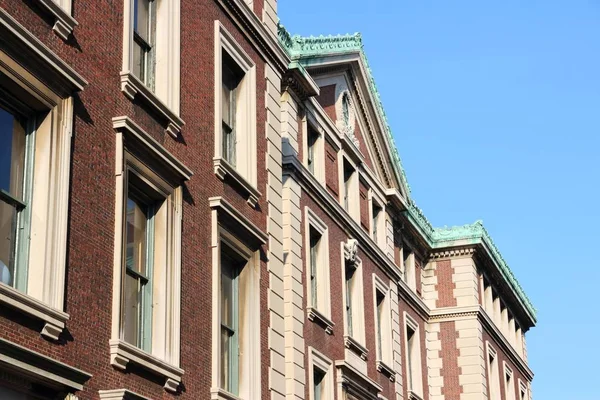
{"x": 45, "y": 300}
{"x": 322, "y": 362}
{"x": 60, "y": 11}
{"x": 415, "y": 392}
{"x": 120, "y": 394}
{"x": 318, "y": 313}
{"x": 222, "y": 210}
{"x": 245, "y": 171}
{"x": 353, "y": 199}
{"x": 494, "y": 387}
{"x": 168, "y": 343}
{"x": 165, "y": 98}
{"x": 356, "y": 341}
{"x": 384, "y": 358}
{"x": 310, "y": 120}
{"x": 509, "y": 393}
{"x": 523, "y": 393}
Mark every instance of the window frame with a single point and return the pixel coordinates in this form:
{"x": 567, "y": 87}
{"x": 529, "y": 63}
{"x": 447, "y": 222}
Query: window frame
{"x": 137, "y": 150}
{"x": 60, "y": 11}
{"x": 377, "y": 233}
{"x": 320, "y": 312}
{"x": 383, "y": 329}
{"x": 349, "y": 193}
{"x": 413, "y": 357}
{"x": 354, "y": 339}
{"x": 309, "y": 123}
{"x": 318, "y": 360}
{"x": 244, "y": 171}
{"x": 509, "y": 383}
{"x": 493, "y": 377}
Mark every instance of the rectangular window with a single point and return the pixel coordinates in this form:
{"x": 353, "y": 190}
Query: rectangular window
{"x": 144, "y": 32}
{"x": 15, "y": 197}
{"x": 350, "y": 272}
{"x": 509, "y": 383}
{"x": 230, "y": 271}
{"x": 380, "y": 301}
{"x": 410, "y": 340}
{"x": 375, "y": 222}
{"x": 311, "y": 148}
{"x": 413, "y": 356}
{"x": 315, "y": 239}
{"x": 410, "y": 276}
{"x": 493, "y": 374}
{"x": 348, "y": 174}
{"x": 139, "y": 256}
{"x": 232, "y": 76}
{"x": 318, "y": 384}
{"x": 319, "y": 376}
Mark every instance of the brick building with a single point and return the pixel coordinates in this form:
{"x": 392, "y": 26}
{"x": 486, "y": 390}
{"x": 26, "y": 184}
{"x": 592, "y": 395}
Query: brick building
{"x": 195, "y": 204}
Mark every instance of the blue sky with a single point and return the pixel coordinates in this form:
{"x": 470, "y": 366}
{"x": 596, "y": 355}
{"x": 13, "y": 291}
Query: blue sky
{"x": 495, "y": 109}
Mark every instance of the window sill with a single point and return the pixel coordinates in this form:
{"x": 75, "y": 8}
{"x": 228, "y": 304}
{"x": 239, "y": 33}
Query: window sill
{"x": 221, "y": 394}
{"x": 356, "y": 347}
{"x": 386, "y": 370}
{"x": 413, "y": 396}
{"x": 132, "y": 86}
{"x": 64, "y": 23}
{"x": 122, "y": 353}
{"x": 54, "y": 319}
{"x": 120, "y": 394}
{"x": 224, "y": 169}
{"x": 315, "y": 316}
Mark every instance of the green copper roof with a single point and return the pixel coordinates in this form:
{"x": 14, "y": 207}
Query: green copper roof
{"x": 304, "y": 49}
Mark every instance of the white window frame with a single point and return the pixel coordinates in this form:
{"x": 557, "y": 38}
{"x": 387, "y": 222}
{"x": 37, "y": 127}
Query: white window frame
{"x": 355, "y": 341}
{"x": 245, "y": 171}
{"x": 509, "y": 386}
{"x": 523, "y": 392}
{"x": 165, "y": 98}
{"x": 43, "y": 299}
{"x": 384, "y": 357}
{"x": 249, "y": 375}
{"x": 320, "y": 312}
{"x": 163, "y": 358}
{"x": 415, "y": 384}
{"x": 410, "y": 268}
{"x": 493, "y": 377}
{"x": 319, "y": 147}
{"x": 320, "y": 361}
{"x": 376, "y": 201}
{"x": 354, "y": 195}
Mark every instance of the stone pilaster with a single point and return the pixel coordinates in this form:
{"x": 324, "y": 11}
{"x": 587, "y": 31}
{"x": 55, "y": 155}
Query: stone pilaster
{"x": 430, "y": 282}
{"x": 397, "y": 327}
{"x": 471, "y": 359}
{"x": 466, "y": 281}
{"x": 269, "y": 17}
{"x": 434, "y": 361}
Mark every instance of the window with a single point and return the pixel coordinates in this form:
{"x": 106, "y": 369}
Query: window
{"x": 348, "y": 172}
{"x": 144, "y": 32}
{"x": 151, "y": 62}
{"x": 522, "y": 391}
{"x": 36, "y": 118}
{"x": 383, "y": 327}
{"x": 354, "y": 334}
{"x": 349, "y": 190}
{"x": 147, "y": 269}
{"x": 317, "y": 271}
{"x": 413, "y": 356}
{"x": 235, "y": 116}
{"x": 509, "y": 383}
{"x": 349, "y": 286}
{"x": 236, "y": 340}
{"x": 320, "y": 376}
{"x": 410, "y": 276}
{"x": 311, "y": 146}
{"x": 378, "y": 219}
{"x": 15, "y": 197}
{"x": 493, "y": 373}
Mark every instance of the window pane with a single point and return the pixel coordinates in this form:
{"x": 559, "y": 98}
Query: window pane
{"x": 225, "y": 359}
{"x": 226, "y": 97}
{"x": 8, "y": 225}
{"x": 318, "y": 382}
{"x": 227, "y": 291}
{"x": 139, "y": 62}
{"x": 131, "y": 305}
{"x": 12, "y": 154}
{"x": 141, "y": 18}
{"x": 136, "y": 236}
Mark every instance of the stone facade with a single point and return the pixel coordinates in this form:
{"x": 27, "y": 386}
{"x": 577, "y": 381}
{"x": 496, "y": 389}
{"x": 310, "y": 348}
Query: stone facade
{"x": 341, "y": 289}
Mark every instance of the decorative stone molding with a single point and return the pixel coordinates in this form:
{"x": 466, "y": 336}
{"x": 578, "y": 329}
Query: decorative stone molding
{"x": 131, "y": 87}
{"x": 413, "y": 396}
{"x": 54, "y": 319}
{"x": 437, "y": 255}
{"x": 38, "y": 367}
{"x": 298, "y": 80}
{"x": 386, "y": 370}
{"x": 122, "y": 353}
{"x": 223, "y": 170}
{"x": 120, "y": 394}
{"x": 355, "y": 346}
{"x": 232, "y": 215}
{"x": 316, "y": 316}
{"x": 356, "y": 383}
{"x": 64, "y": 23}
{"x": 351, "y": 250}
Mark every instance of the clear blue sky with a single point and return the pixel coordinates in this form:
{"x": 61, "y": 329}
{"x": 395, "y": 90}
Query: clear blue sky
{"x": 495, "y": 108}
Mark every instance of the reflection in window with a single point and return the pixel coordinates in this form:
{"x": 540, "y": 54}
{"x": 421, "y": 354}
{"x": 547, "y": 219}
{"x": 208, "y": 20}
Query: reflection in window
{"x": 144, "y": 32}
{"x": 232, "y": 77}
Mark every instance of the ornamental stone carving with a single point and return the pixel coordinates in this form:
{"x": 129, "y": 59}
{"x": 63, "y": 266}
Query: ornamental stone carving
{"x": 351, "y": 250}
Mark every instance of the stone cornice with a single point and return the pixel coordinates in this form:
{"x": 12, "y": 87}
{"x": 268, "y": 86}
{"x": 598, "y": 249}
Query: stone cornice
{"x": 257, "y": 33}
{"x": 452, "y": 253}
{"x": 299, "y": 81}
{"x": 293, "y": 166}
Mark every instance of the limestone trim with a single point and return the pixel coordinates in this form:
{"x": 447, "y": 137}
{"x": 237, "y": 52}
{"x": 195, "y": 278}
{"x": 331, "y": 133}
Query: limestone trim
{"x": 355, "y": 382}
{"x": 54, "y": 319}
{"x": 319, "y": 318}
{"x": 257, "y": 33}
{"x": 453, "y": 313}
{"x": 319, "y": 360}
{"x": 18, "y": 42}
{"x": 223, "y": 169}
{"x": 452, "y": 253}
{"x": 244, "y": 223}
{"x": 120, "y": 394}
{"x": 123, "y": 353}
{"x": 23, "y": 361}
{"x": 415, "y": 385}
{"x": 64, "y": 23}
{"x": 355, "y": 346}
{"x": 320, "y": 312}
{"x": 131, "y": 87}
{"x": 413, "y": 396}
{"x": 386, "y": 370}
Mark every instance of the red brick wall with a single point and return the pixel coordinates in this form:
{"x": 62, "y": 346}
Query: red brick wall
{"x": 445, "y": 286}
{"x": 450, "y": 369}
{"x": 95, "y": 52}
{"x": 326, "y": 99}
